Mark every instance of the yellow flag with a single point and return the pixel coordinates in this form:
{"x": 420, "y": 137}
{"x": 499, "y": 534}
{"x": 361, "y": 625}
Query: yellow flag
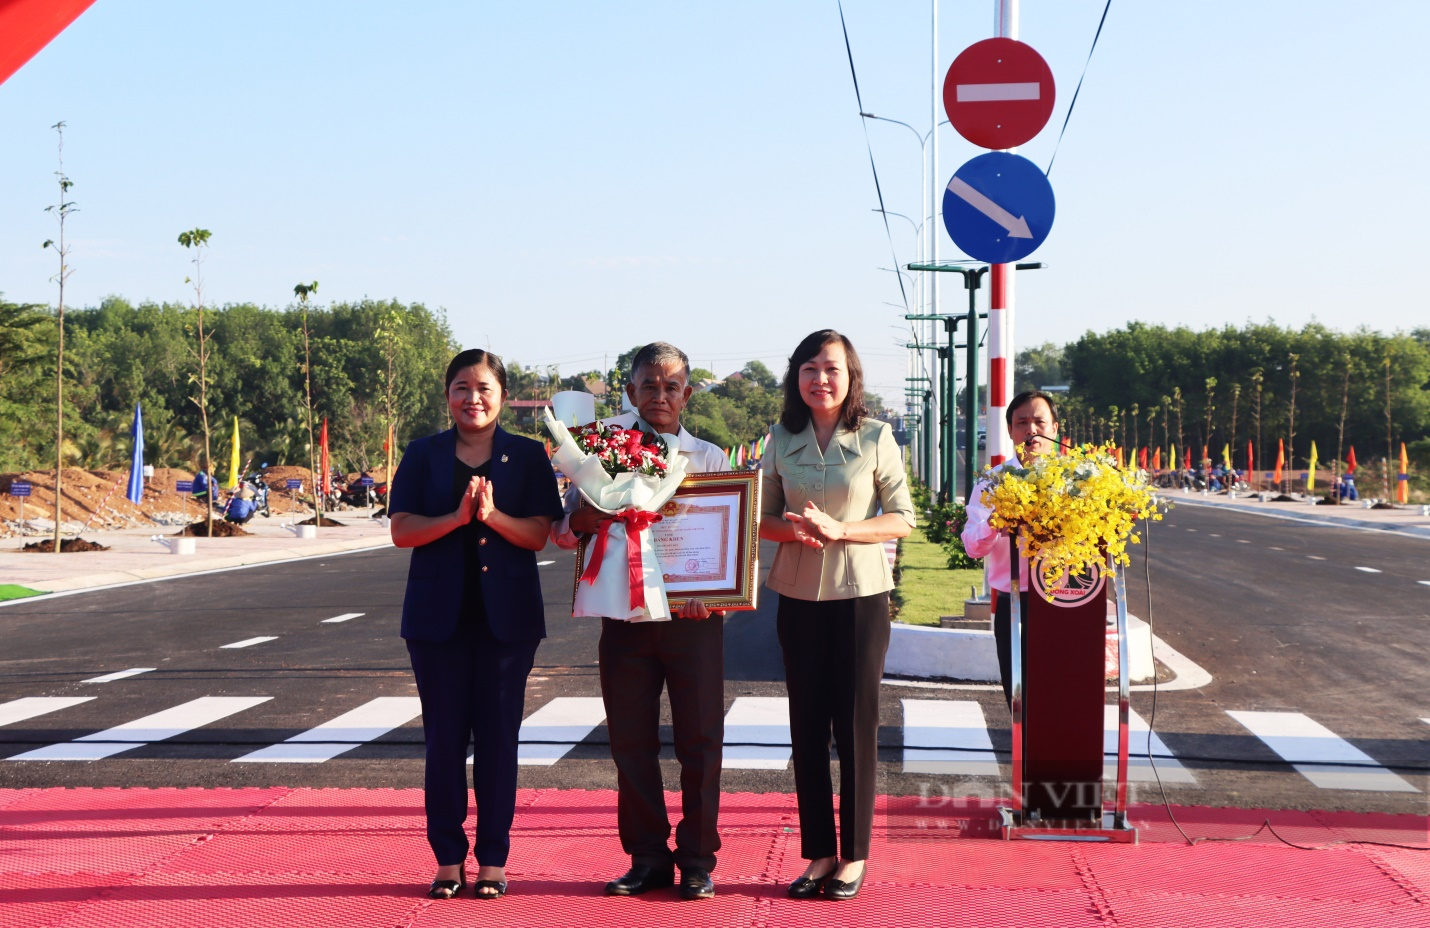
{"x": 1311, "y": 471}
{"x": 1226, "y": 456}
{"x": 234, "y": 463}
{"x": 1174, "y": 457}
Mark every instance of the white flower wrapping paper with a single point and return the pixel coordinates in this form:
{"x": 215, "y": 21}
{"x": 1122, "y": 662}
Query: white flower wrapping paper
{"x": 610, "y": 595}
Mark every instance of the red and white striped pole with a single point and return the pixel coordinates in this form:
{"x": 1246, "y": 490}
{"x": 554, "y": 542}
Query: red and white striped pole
{"x": 1000, "y": 305}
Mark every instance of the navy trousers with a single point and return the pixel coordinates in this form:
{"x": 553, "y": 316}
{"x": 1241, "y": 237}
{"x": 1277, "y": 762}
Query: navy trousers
{"x": 472, "y": 687}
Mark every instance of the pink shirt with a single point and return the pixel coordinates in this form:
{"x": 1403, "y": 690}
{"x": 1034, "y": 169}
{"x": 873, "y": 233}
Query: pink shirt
{"x": 982, "y": 540}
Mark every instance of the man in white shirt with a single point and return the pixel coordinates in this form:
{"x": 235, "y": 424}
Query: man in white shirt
{"x": 685, "y": 655}
{"x": 1032, "y": 419}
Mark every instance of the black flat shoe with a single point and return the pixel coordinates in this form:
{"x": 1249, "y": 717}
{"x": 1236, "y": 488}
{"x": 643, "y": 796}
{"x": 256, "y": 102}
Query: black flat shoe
{"x": 498, "y": 885}
{"x": 640, "y": 879}
{"x": 696, "y": 883}
{"x": 808, "y": 887}
{"x": 446, "y": 889}
{"x": 838, "y": 889}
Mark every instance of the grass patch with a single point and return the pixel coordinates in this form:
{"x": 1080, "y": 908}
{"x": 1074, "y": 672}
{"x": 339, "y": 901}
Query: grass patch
{"x": 927, "y": 589}
{"x": 15, "y": 591}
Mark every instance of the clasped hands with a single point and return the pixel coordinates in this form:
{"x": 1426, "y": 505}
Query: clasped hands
{"x": 587, "y": 519}
{"x": 476, "y": 502}
{"x": 815, "y": 527}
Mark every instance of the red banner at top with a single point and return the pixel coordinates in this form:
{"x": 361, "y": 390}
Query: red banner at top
{"x": 26, "y": 26}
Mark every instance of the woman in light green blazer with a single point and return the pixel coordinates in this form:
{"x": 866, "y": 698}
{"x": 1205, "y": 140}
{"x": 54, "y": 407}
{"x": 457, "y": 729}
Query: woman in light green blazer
{"x": 834, "y": 490}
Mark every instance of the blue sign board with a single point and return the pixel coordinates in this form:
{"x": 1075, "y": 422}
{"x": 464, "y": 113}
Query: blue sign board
{"x": 364, "y": 481}
{"x": 184, "y": 486}
{"x": 19, "y": 488}
{"x": 998, "y": 207}
{"x": 294, "y": 484}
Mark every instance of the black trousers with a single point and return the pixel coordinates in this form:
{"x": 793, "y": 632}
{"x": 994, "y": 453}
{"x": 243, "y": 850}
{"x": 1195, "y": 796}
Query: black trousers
{"x": 834, "y": 659}
{"x": 471, "y": 684}
{"x": 687, "y": 658}
{"x": 1002, "y": 635}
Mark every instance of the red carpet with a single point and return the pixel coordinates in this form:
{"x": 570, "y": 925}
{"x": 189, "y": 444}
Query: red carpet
{"x": 306, "y": 857}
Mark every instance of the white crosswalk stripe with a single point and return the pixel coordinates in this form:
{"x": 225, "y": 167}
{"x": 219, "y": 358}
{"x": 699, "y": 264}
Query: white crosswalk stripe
{"x": 1318, "y": 754}
{"x": 157, "y": 727}
{"x": 119, "y": 675}
{"x": 29, "y": 707}
{"x": 947, "y": 736}
{"x": 369, "y": 721}
{"x": 561, "y": 724}
{"x": 752, "y": 723}
{"x": 250, "y": 642}
{"x": 345, "y": 617}
{"x": 1139, "y": 769}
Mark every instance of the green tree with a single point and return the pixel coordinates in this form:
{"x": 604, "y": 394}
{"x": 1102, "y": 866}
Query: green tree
{"x": 198, "y": 240}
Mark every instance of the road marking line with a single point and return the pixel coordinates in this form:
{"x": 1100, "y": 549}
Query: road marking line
{"x": 1369, "y": 570}
{"x": 119, "y": 675}
{"x": 1423, "y": 582}
{"x": 1191, "y": 530}
{"x": 352, "y": 729}
{"x": 169, "y": 723}
{"x": 1426, "y": 721}
{"x": 1274, "y": 548}
{"x": 1139, "y": 768}
{"x": 562, "y": 723}
{"x": 958, "y": 728}
{"x": 757, "y": 721}
{"x": 250, "y": 642}
{"x": 28, "y": 707}
{"x": 345, "y": 617}
{"x": 996, "y": 92}
{"x": 1299, "y": 739}
{"x": 1242, "y": 541}
{"x": 1315, "y": 557}
{"x": 1214, "y": 534}
{"x": 544, "y": 563}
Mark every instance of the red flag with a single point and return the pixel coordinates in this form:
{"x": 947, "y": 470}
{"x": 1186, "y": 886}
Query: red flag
{"x": 1142, "y": 458}
{"x": 29, "y": 25}
{"x": 1250, "y": 459}
{"x": 1351, "y": 461}
{"x": 1280, "y": 459}
{"x": 326, "y": 480}
{"x": 1157, "y": 459}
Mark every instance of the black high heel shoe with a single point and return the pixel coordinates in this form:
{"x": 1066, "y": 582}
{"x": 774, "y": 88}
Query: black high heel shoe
{"x": 446, "y": 889}
{"x": 839, "y": 889}
{"x": 807, "y": 887}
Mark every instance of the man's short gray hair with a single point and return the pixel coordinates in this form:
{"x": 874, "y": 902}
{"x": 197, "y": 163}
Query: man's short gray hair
{"x": 660, "y": 354}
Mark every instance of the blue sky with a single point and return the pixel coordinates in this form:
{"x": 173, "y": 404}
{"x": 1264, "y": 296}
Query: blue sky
{"x": 571, "y": 179}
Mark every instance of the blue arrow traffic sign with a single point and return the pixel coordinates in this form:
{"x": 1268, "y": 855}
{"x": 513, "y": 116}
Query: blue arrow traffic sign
{"x": 998, "y": 207}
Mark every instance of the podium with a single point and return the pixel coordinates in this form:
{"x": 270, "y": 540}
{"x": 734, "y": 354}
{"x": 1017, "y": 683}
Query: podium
{"x": 1059, "y": 694}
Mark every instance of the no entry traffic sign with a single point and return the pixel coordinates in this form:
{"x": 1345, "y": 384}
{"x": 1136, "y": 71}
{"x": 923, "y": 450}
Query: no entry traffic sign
{"x": 998, "y": 93}
{"x": 998, "y": 207}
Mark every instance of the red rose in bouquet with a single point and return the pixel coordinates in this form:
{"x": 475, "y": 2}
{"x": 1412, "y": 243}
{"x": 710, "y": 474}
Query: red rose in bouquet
{"x": 624, "y": 451}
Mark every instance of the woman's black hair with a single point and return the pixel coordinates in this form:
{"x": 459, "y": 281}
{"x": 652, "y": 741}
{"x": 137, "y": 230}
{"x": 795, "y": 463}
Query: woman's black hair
{"x": 476, "y": 357}
{"x": 795, "y": 414}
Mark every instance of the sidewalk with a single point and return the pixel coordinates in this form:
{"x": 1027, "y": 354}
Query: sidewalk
{"x": 133, "y": 556}
{"x": 1405, "y": 519}
{"x": 353, "y": 858}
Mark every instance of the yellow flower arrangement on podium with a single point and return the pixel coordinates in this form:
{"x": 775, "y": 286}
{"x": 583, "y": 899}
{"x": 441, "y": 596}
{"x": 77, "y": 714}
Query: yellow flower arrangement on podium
{"x": 1071, "y": 511}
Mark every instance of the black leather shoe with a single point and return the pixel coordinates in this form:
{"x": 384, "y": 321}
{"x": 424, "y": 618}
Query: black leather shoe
{"x": 695, "y": 883}
{"x": 838, "y": 889}
{"x": 640, "y": 879}
{"x": 808, "y": 887}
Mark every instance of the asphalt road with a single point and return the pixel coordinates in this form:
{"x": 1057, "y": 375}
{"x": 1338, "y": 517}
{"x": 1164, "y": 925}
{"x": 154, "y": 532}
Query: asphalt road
{"x": 1242, "y": 596}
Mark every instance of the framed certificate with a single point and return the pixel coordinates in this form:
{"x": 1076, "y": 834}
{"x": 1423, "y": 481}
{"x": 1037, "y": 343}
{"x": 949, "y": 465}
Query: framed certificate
{"x": 708, "y": 540}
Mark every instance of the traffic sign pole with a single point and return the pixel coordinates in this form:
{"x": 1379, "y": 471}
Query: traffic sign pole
{"x": 1000, "y": 305}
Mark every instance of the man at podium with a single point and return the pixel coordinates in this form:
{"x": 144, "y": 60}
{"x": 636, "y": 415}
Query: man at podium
{"x": 1032, "y": 419}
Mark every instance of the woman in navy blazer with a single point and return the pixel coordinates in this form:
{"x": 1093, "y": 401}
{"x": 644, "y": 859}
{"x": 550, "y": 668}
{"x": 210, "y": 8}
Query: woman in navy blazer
{"x": 475, "y": 504}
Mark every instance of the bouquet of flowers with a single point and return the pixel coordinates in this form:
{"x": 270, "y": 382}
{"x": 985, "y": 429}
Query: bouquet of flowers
{"x": 1070, "y": 511}
{"x": 628, "y": 474}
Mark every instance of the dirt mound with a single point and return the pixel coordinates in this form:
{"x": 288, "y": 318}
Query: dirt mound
{"x": 1283, "y": 498}
{"x": 1385, "y": 506}
{"x": 326, "y": 521}
{"x": 221, "y": 530}
{"x": 67, "y": 546}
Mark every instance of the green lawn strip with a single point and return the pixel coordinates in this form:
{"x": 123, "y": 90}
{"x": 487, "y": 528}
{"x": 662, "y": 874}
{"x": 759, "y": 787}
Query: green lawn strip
{"x": 15, "y": 591}
{"x": 927, "y": 588}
